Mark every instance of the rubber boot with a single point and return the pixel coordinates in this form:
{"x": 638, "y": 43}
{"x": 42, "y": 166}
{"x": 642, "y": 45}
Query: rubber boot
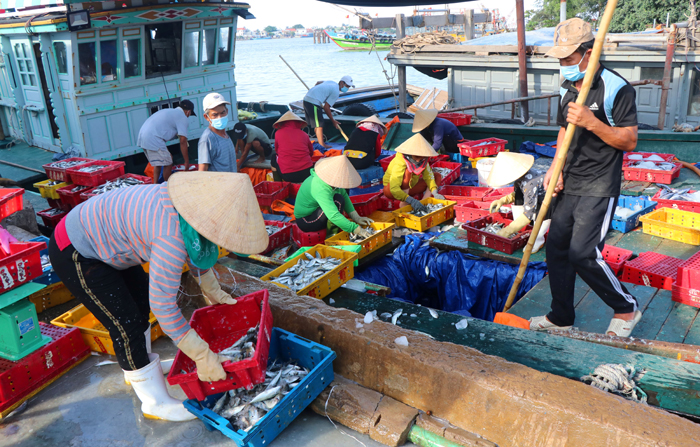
{"x": 149, "y": 386}
{"x": 164, "y": 364}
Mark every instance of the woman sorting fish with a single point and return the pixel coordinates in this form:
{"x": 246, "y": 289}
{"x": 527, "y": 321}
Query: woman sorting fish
{"x": 365, "y": 142}
{"x": 293, "y": 149}
{"x": 409, "y": 174}
{"x": 323, "y": 197}
{"x": 98, "y": 248}
{"x": 439, "y": 132}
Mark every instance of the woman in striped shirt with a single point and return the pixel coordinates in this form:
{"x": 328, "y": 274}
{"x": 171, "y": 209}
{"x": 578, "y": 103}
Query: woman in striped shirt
{"x": 98, "y": 250}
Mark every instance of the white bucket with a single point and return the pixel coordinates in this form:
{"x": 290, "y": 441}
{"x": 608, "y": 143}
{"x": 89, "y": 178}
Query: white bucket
{"x": 484, "y": 167}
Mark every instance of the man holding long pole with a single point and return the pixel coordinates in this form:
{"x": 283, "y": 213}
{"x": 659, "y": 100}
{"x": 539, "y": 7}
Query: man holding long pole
{"x": 587, "y": 192}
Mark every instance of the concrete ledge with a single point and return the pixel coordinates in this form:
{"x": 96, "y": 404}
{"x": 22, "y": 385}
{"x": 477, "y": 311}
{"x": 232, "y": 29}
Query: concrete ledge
{"x": 391, "y": 422}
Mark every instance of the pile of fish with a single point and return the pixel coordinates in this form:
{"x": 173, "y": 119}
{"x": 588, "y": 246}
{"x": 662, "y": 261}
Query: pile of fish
{"x": 667, "y": 193}
{"x": 53, "y": 212}
{"x": 495, "y": 227}
{"x": 272, "y": 229}
{"x": 306, "y": 271}
{"x": 245, "y": 408}
{"x": 653, "y": 165}
{"x": 92, "y": 168}
{"x": 67, "y": 164}
{"x": 78, "y": 189}
{"x": 483, "y": 143}
{"x": 355, "y": 238}
{"x": 244, "y": 348}
{"x": 623, "y": 213}
{"x": 116, "y": 184}
{"x": 432, "y": 207}
{"x": 45, "y": 261}
{"x": 53, "y": 183}
{"x": 444, "y": 172}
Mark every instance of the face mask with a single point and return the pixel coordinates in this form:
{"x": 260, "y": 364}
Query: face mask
{"x": 344, "y": 89}
{"x": 414, "y": 166}
{"x": 572, "y": 72}
{"x": 219, "y": 123}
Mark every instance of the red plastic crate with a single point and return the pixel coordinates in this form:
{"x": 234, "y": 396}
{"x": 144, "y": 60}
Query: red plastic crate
{"x": 11, "y": 201}
{"x": 505, "y": 245}
{"x": 689, "y": 272}
{"x": 387, "y": 204}
{"x": 676, "y": 204}
{"x": 384, "y": 162}
{"x": 221, "y": 326}
{"x": 461, "y": 194}
{"x": 59, "y": 204}
{"x": 60, "y": 173}
{"x": 466, "y": 212}
{"x": 294, "y": 190}
{"x": 650, "y": 175}
{"x": 21, "y": 265}
{"x": 652, "y": 270}
{"x": 455, "y": 172}
{"x": 366, "y": 204}
{"x": 70, "y": 198}
{"x": 684, "y": 295}
{"x": 281, "y": 238}
{"x": 303, "y": 239}
{"x": 268, "y": 192}
{"x": 111, "y": 170}
{"x": 498, "y": 193}
{"x": 89, "y": 192}
{"x": 458, "y": 119}
{"x": 51, "y": 220}
{"x": 666, "y": 157}
{"x": 476, "y": 148}
{"x": 18, "y": 380}
{"x": 616, "y": 257}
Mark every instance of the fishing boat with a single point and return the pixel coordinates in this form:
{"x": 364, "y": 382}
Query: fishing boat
{"x": 361, "y": 40}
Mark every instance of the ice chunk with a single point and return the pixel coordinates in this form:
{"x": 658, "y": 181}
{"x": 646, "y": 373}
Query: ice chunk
{"x": 462, "y": 324}
{"x": 635, "y": 157}
{"x": 653, "y": 157}
{"x": 359, "y": 325}
{"x": 331, "y": 301}
{"x": 623, "y": 213}
{"x": 369, "y": 317}
{"x": 401, "y": 341}
{"x": 433, "y": 313}
{"x": 637, "y": 207}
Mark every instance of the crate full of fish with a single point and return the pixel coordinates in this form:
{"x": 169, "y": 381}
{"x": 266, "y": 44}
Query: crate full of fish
{"x": 125, "y": 181}
{"x": 651, "y": 171}
{"x": 57, "y": 170}
{"x": 241, "y": 333}
{"x": 446, "y": 172}
{"x": 384, "y": 162}
{"x": 381, "y": 234}
{"x": 52, "y": 216}
{"x": 298, "y": 371}
{"x": 677, "y": 225}
{"x": 482, "y": 148}
{"x": 366, "y": 204}
{"x": 71, "y": 195}
{"x": 316, "y": 273}
{"x": 96, "y": 172}
{"x": 439, "y": 211}
{"x": 268, "y": 192}
{"x": 647, "y": 156}
{"x": 279, "y": 234}
{"x": 466, "y": 212}
{"x": 48, "y": 188}
{"x": 628, "y": 212}
{"x": 20, "y": 265}
{"x": 679, "y": 199}
{"x": 461, "y": 194}
{"x": 498, "y": 193}
{"x": 484, "y": 232}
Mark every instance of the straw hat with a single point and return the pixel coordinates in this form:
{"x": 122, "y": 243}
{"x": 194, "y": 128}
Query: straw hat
{"x": 289, "y": 116}
{"x": 222, "y": 207}
{"x": 418, "y": 146}
{"x": 373, "y": 119}
{"x": 338, "y": 172}
{"x": 423, "y": 118}
{"x": 508, "y": 167}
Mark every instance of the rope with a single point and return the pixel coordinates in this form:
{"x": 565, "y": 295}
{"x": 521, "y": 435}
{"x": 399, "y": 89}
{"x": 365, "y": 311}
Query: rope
{"x": 389, "y": 79}
{"x": 618, "y": 379}
{"x": 412, "y": 44}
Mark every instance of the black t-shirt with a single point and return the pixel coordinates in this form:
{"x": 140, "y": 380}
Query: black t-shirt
{"x": 593, "y": 167}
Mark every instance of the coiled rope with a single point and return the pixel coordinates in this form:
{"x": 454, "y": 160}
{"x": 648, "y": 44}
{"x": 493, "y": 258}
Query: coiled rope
{"x": 412, "y": 44}
{"x": 618, "y": 379}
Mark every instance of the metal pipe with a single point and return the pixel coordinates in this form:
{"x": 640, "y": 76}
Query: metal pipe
{"x": 424, "y": 438}
{"x": 666, "y": 82}
{"x": 522, "y": 57}
{"x": 562, "y": 10}
{"x": 549, "y": 110}
{"x": 401, "y": 69}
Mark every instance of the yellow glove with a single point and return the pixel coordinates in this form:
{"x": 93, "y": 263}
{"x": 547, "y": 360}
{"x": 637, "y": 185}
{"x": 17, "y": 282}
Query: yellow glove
{"x": 211, "y": 289}
{"x": 497, "y": 204}
{"x": 209, "y": 367}
{"x": 515, "y": 226}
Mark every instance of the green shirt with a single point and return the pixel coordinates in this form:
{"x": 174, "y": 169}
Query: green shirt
{"x": 253, "y": 132}
{"x": 314, "y": 194}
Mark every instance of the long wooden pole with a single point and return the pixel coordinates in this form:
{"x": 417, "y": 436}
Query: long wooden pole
{"x": 295, "y": 73}
{"x": 564, "y": 149}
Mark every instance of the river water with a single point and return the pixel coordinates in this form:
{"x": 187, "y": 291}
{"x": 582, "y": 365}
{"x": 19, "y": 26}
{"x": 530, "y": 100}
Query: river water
{"x": 262, "y": 76}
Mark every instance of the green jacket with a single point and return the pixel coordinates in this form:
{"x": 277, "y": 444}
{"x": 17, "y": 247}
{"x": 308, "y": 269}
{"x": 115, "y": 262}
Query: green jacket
{"x": 315, "y": 193}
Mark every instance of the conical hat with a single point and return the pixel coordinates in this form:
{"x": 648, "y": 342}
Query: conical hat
{"x": 373, "y": 119}
{"x": 418, "y": 146}
{"x": 423, "y": 118}
{"x": 222, "y": 207}
{"x": 508, "y": 167}
{"x": 338, "y": 172}
{"x": 289, "y": 116}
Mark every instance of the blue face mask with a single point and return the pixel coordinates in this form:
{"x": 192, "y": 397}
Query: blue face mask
{"x": 219, "y": 123}
{"x": 572, "y": 72}
{"x": 344, "y": 89}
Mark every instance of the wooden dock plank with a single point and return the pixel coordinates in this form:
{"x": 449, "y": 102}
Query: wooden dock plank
{"x": 655, "y": 315}
{"x": 693, "y": 335}
{"x": 676, "y": 249}
{"x": 679, "y": 321}
{"x": 537, "y": 301}
{"x": 639, "y": 242}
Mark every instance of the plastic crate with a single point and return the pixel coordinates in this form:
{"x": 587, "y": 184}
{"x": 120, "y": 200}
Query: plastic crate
{"x": 650, "y": 175}
{"x": 482, "y": 148}
{"x": 404, "y": 219}
{"x": 24, "y": 378}
{"x": 330, "y": 281}
{"x": 384, "y": 162}
{"x": 50, "y": 218}
{"x": 88, "y": 193}
{"x": 498, "y": 193}
{"x": 689, "y": 272}
{"x": 303, "y": 239}
{"x": 294, "y": 189}
{"x": 468, "y": 211}
{"x": 453, "y": 176}
{"x": 684, "y": 295}
{"x": 369, "y": 245}
{"x": 282, "y": 237}
{"x": 70, "y": 195}
{"x": 616, "y": 257}
{"x": 268, "y": 192}
{"x": 666, "y": 157}
{"x": 461, "y": 194}
{"x": 503, "y": 244}
{"x": 676, "y": 204}
{"x": 49, "y": 191}
{"x": 366, "y": 204}
{"x": 94, "y": 334}
{"x": 373, "y": 173}
{"x": 21, "y": 265}
{"x": 10, "y": 201}
{"x": 221, "y": 326}
{"x": 474, "y": 160}
{"x": 652, "y": 270}
{"x": 111, "y": 170}
{"x": 632, "y": 222}
{"x": 458, "y": 119}
{"x": 60, "y": 174}
{"x": 59, "y": 204}
{"x": 50, "y": 296}
{"x": 365, "y": 189}
{"x": 677, "y": 225}
{"x": 284, "y": 347}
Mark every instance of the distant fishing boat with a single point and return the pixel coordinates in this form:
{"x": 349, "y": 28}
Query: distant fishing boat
{"x": 360, "y": 40}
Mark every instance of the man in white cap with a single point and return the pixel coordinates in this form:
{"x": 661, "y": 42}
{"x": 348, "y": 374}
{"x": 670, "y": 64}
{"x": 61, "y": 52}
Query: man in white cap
{"x": 606, "y": 127}
{"x": 216, "y": 150}
{"x": 321, "y": 97}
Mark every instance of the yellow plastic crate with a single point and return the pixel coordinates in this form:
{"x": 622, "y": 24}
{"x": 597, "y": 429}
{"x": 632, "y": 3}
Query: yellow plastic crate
{"x": 474, "y": 160}
{"x": 94, "y": 333}
{"x": 369, "y": 245}
{"x": 327, "y": 283}
{"x": 382, "y": 216}
{"x": 49, "y": 192}
{"x": 222, "y": 252}
{"x": 404, "y": 219}
{"x": 50, "y": 296}
{"x": 677, "y": 225}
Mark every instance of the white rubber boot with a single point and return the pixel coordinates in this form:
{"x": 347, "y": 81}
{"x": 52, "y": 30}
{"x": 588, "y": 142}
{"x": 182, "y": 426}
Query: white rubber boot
{"x": 164, "y": 364}
{"x": 149, "y": 385}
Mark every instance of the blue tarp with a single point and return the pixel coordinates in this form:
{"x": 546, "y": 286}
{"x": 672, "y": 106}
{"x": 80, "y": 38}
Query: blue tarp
{"x": 451, "y": 281}
{"x": 538, "y": 150}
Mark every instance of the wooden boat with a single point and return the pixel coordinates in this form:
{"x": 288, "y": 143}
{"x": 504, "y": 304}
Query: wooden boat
{"x": 361, "y": 40}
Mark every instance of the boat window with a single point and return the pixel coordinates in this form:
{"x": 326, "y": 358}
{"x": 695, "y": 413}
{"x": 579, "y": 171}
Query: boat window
{"x": 191, "y": 49}
{"x": 61, "y": 57}
{"x": 224, "y": 45}
{"x": 88, "y": 62}
{"x": 163, "y": 49}
{"x": 694, "y": 101}
{"x": 108, "y": 57}
{"x": 209, "y": 46}
{"x": 132, "y": 58}
{"x": 654, "y": 73}
{"x": 24, "y": 64}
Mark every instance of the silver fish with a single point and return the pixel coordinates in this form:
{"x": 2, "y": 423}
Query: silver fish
{"x": 433, "y": 313}
{"x": 116, "y": 184}
{"x": 307, "y": 270}
{"x": 395, "y": 317}
{"x": 432, "y": 207}
{"x": 67, "y": 164}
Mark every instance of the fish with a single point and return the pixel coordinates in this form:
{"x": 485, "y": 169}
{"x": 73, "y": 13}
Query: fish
{"x": 243, "y": 348}
{"x": 433, "y": 313}
{"x": 396, "y": 316}
{"x": 79, "y": 188}
{"x": 307, "y": 270}
{"x": 68, "y": 164}
{"x": 432, "y": 207}
{"x": 668, "y": 193}
{"x": 272, "y": 229}
{"x": 52, "y": 212}
{"x": 92, "y": 168}
{"x": 267, "y": 394}
{"x": 444, "y": 172}
{"x": 117, "y": 184}
{"x": 357, "y": 238}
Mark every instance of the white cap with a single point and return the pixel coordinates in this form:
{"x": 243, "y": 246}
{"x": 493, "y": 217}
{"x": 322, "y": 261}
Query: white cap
{"x": 213, "y": 100}
{"x": 348, "y": 80}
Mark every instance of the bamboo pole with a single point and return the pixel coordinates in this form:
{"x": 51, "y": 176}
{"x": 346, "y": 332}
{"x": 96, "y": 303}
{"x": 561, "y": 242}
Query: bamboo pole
{"x": 562, "y": 152}
{"x": 295, "y": 73}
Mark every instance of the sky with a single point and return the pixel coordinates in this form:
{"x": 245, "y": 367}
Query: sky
{"x": 309, "y": 13}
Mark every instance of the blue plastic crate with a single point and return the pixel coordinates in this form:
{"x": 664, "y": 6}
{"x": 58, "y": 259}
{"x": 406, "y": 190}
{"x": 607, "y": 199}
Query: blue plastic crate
{"x": 367, "y": 190}
{"x": 371, "y": 174}
{"x": 49, "y": 277}
{"x": 284, "y": 346}
{"x": 632, "y": 222}
{"x": 459, "y": 158}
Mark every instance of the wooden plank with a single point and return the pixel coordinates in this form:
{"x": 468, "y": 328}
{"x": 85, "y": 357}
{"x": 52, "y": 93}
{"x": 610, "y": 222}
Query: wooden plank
{"x": 678, "y": 323}
{"x": 676, "y": 249}
{"x": 639, "y": 242}
{"x": 693, "y": 335}
{"x": 655, "y": 314}
{"x": 538, "y": 300}
{"x": 593, "y": 315}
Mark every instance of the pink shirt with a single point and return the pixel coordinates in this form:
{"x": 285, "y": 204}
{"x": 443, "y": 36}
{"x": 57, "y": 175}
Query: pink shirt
{"x": 294, "y": 148}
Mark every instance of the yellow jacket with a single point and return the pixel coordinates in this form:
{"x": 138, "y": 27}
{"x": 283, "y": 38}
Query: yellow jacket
{"x": 395, "y": 173}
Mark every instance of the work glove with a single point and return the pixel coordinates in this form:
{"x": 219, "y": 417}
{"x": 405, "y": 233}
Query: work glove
{"x": 212, "y": 290}
{"x": 361, "y": 232}
{"x": 515, "y": 226}
{"x": 416, "y": 205}
{"x": 497, "y": 204}
{"x": 436, "y": 195}
{"x": 539, "y": 242}
{"x": 364, "y": 221}
{"x": 208, "y": 363}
